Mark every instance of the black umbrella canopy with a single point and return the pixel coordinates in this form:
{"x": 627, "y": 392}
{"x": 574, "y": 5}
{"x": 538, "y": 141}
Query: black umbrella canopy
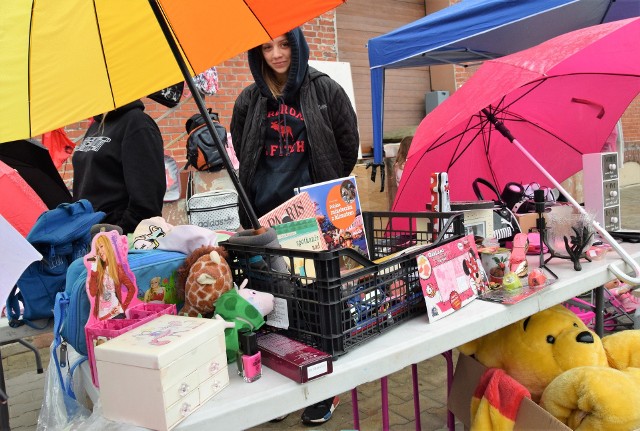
{"x": 33, "y": 162}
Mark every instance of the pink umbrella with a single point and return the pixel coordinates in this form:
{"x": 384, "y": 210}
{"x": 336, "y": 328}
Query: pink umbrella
{"x": 20, "y": 205}
{"x": 560, "y": 99}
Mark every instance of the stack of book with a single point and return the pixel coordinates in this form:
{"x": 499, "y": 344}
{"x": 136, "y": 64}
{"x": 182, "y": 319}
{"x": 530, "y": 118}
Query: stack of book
{"x": 321, "y": 216}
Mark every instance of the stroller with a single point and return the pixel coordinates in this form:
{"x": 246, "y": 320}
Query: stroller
{"x": 619, "y": 307}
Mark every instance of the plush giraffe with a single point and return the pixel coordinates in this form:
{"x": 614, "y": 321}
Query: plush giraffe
{"x": 204, "y": 276}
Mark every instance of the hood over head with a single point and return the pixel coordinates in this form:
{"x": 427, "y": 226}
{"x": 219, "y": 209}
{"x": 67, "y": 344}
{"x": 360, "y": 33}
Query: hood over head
{"x": 297, "y": 70}
{"x": 136, "y": 104}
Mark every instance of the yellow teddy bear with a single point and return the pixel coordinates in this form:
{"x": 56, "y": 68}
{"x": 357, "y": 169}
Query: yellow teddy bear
{"x": 586, "y": 382}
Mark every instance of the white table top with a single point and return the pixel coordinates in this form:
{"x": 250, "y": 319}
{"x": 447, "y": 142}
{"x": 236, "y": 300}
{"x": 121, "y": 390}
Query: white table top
{"x": 242, "y": 405}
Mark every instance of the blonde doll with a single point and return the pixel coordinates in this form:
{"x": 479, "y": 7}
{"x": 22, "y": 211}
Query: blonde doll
{"x": 106, "y": 280}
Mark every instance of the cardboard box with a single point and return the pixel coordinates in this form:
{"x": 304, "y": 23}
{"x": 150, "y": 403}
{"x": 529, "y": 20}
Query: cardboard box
{"x": 467, "y": 375}
{"x": 292, "y": 358}
{"x": 559, "y": 210}
{"x": 527, "y": 221}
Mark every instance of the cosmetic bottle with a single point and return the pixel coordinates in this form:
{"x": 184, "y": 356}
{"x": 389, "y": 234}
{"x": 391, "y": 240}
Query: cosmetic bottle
{"x": 250, "y": 357}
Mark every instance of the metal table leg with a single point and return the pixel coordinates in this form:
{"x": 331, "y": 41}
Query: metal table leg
{"x": 4, "y": 405}
{"x": 599, "y": 300}
{"x": 354, "y": 409}
{"x": 416, "y": 396}
{"x": 384, "y": 393}
{"x": 31, "y": 347}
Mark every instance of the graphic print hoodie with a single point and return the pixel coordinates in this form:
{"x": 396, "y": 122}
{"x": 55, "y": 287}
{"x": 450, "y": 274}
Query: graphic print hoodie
{"x": 284, "y": 163}
{"x": 119, "y": 167}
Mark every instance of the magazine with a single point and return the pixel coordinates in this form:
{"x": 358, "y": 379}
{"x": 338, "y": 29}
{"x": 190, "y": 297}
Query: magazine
{"x": 339, "y": 214}
{"x": 298, "y": 207}
{"x": 451, "y": 276}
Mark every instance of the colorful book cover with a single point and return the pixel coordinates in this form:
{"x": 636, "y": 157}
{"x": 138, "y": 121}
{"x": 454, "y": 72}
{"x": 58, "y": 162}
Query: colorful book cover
{"x": 301, "y": 234}
{"x": 298, "y": 207}
{"x": 451, "y": 276}
{"x": 339, "y": 214}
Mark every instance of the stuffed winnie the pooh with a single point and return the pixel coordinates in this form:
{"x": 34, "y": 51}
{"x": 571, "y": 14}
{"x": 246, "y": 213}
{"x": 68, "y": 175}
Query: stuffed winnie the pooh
{"x": 586, "y": 382}
{"x": 589, "y": 398}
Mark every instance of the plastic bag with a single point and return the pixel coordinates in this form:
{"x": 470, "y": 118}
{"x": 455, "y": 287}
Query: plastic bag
{"x": 173, "y": 179}
{"x": 59, "y": 410}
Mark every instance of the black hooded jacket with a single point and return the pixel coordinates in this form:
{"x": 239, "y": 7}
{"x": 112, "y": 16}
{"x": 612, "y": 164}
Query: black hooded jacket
{"x": 332, "y": 138}
{"x": 119, "y": 167}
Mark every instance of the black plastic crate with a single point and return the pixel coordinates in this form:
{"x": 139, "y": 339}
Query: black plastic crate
{"x": 336, "y": 311}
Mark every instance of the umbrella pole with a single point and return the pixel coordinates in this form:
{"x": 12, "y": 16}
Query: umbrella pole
{"x": 632, "y": 281}
{"x": 242, "y": 195}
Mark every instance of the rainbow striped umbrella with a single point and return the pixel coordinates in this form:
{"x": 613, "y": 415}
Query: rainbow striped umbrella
{"x": 63, "y": 61}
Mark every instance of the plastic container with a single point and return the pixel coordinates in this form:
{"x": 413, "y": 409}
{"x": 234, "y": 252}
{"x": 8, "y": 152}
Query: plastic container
{"x": 335, "y": 311}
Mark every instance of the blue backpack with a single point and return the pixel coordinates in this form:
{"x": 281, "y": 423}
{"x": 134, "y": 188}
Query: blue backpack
{"x": 61, "y": 235}
{"x": 72, "y": 306}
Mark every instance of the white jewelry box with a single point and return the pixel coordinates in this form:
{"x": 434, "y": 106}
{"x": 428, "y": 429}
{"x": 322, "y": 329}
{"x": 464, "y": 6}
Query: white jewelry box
{"x": 157, "y": 374}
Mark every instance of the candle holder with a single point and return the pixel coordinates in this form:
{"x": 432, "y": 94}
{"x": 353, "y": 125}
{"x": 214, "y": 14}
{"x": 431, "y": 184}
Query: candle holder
{"x": 568, "y": 237}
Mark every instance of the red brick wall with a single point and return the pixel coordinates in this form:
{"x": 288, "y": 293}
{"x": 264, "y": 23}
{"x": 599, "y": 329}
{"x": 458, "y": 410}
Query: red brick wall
{"x": 631, "y": 132}
{"x": 233, "y": 75}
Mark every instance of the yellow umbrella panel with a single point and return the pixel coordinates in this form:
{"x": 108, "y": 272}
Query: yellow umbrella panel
{"x": 63, "y": 61}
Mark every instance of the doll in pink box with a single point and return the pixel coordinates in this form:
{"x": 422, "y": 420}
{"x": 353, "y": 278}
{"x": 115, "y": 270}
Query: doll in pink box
{"x": 106, "y": 278}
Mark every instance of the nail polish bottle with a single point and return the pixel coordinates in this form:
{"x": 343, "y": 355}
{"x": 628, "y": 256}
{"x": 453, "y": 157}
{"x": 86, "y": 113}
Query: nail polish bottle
{"x": 251, "y": 357}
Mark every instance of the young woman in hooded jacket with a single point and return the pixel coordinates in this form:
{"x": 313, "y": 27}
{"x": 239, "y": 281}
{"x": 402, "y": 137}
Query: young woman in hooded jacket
{"x": 292, "y": 127}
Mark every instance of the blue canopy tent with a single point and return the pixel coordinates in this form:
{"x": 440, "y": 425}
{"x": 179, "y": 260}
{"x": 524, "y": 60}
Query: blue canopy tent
{"x": 478, "y": 30}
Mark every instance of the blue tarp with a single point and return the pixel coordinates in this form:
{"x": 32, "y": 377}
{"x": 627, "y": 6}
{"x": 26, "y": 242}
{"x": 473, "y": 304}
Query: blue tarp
{"x": 477, "y": 30}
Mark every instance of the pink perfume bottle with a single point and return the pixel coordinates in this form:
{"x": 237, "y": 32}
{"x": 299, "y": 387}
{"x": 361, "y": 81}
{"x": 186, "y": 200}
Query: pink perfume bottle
{"x": 251, "y": 357}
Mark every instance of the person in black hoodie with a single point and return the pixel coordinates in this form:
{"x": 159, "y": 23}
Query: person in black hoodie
{"x": 119, "y": 167}
{"x": 294, "y": 126}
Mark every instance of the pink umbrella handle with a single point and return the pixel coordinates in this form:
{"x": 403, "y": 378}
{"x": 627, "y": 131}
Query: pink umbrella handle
{"x": 621, "y": 275}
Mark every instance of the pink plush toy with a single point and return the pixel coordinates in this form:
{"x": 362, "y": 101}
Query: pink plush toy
{"x": 262, "y": 301}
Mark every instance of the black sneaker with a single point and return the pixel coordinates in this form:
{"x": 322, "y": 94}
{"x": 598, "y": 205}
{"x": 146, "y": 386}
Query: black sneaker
{"x": 321, "y": 412}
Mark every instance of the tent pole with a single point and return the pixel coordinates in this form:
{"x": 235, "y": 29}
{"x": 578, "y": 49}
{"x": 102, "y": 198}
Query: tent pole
{"x": 632, "y": 281}
{"x": 242, "y": 195}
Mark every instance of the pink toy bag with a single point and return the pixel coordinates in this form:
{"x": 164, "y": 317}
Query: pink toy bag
{"x": 113, "y": 295}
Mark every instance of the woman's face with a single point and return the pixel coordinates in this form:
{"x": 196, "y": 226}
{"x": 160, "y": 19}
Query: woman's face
{"x": 277, "y": 54}
{"x": 102, "y": 251}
